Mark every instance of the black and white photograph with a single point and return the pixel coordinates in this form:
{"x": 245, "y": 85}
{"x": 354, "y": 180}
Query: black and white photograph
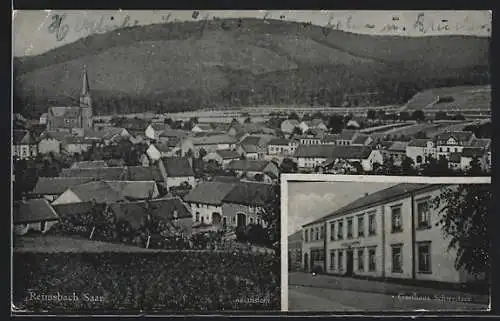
{"x": 387, "y": 244}
{"x": 149, "y": 146}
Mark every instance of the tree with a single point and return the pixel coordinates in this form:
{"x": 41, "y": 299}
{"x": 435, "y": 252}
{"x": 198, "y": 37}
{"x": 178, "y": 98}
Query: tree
{"x": 421, "y": 135}
{"x": 370, "y": 114}
{"x": 293, "y": 115}
{"x": 335, "y": 123}
{"x": 297, "y": 131}
{"x": 247, "y": 120}
{"x": 388, "y": 165}
{"x": 404, "y": 116}
{"x": 202, "y": 153}
{"x": 407, "y": 166}
{"x": 288, "y": 166}
{"x": 190, "y": 153}
{"x": 270, "y": 214}
{"x": 475, "y": 167}
{"x": 441, "y": 115}
{"x": 464, "y": 220}
{"x": 418, "y": 115}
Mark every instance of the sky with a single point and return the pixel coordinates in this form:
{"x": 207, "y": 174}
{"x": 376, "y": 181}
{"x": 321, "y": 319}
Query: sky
{"x": 35, "y": 32}
{"x": 308, "y": 201}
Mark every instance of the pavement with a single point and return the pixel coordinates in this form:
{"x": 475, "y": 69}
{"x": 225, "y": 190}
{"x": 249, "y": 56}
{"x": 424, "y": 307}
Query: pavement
{"x": 331, "y": 293}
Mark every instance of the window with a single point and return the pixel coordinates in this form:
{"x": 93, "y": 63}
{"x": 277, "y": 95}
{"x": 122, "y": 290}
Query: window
{"x": 397, "y": 258}
{"x": 251, "y": 220}
{"x": 202, "y": 219}
{"x": 397, "y": 225}
{"x": 424, "y": 257}
{"x": 340, "y": 231}
{"x": 371, "y": 224}
{"x": 340, "y": 262}
{"x": 258, "y": 221}
{"x": 361, "y": 259}
{"x": 316, "y": 235}
{"x": 197, "y": 216}
{"x": 423, "y": 215}
{"x": 349, "y": 228}
{"x": 361, "y": 226}
{"x": 42, "y": 226}
{"x": 332, "y": 231}
{"x": 332, "y": 260}
{"x": 306, "y": 235}
{"x": 371, "y": 259}
{"x": 322, "y": 232}
{"x": 448, "y": 149}
{"x": 311, "y": 234}
{"x": 440, "y": 149}
{"x": 456, "y": 150}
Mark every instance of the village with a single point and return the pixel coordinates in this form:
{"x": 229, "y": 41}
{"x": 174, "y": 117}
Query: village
{"x": 218, "y": 176}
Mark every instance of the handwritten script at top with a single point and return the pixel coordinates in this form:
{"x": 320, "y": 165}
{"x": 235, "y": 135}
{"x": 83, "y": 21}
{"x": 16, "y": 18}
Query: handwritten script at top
{"x": 422, "y": 24}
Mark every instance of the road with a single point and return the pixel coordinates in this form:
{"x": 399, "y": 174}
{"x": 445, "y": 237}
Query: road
{"x": 303, "y": 298}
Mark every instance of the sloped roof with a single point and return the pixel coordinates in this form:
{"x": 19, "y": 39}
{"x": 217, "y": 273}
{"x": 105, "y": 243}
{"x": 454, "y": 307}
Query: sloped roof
{"x": 332, "y": 151}
{"x": 280, "y": 141}
{"x": 105, "y": 173}
{"x": 247, "y": 193}
{"x": 22, "y": 137}
{"x": 71, "y": 209}
{"x": 212, "y": 193}
{"x": 97, "y": 191}
{"x": 177, "y": 166}
{"x": 33, "y": 210}
{"x": 57, "y": 185}
{"x": 384, "y": 195}
{"x": 70, "y": 112}
{"x": 458, "y": 135}
{"x": 360, "y": 139}
{"x": 473, "y": 152}
{"x": 398, "y": 146}
{"x": 418, "y": 142}
{"x": 455, "y": 157}
{"x": 481, "y": 142}
{"x": 174, "y": 133}
{"x": 163, "y": 147}
{"x": 89, "y": 164}
{"x": 142, "y": 173}
{"x": 204, "y": 126}
{"x": 134, "y": 189}
{"x": 135, "y": 212}
{"x": 228, "y": 154}
{"x": 251, "y": 148}
{"x": 54, "y": 135}
{"x": 250, "y": 140}
{"x": 213, "y": 140}
{"x": 248, "y": 165}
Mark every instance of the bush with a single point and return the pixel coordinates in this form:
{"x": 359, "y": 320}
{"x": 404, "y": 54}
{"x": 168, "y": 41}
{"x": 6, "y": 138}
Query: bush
{"x": 166, "y": 281}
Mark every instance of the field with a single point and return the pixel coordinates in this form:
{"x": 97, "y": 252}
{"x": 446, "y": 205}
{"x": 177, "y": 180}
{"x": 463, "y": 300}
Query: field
{"x": 413, "y": 129}
{"x": 109, "y": 279}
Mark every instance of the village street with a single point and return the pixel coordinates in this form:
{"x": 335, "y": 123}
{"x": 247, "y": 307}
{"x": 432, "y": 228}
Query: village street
{"x": 329, "y": 293}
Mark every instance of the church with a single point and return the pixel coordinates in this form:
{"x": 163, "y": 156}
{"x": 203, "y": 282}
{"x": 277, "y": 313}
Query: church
{"x": 73, "y": 119}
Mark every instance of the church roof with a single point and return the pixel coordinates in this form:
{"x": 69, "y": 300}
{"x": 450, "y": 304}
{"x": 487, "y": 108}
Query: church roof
{"x": 68, "y": 111}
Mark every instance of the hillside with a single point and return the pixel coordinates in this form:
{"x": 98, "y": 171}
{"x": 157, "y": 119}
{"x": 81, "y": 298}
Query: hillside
{"x": 189, "y": 65}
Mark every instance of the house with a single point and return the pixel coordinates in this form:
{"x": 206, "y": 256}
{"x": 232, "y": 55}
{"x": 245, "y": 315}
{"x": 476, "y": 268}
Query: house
{"x": 172, "y": 134}
{"x": 361, "y": 140}
{"x": 135, "y": 190}
{"x": 207, "y": 143}
{"x": 141, "y": 173}
{"x": 282, "y": 147}
{"x": 452, "y": 142}
{"x": 222, "y": 157}
{"x": 177, "y": 171}
{"x": 295, "y": 251}
{"x": 24, "y": 145}
{"x": 469, "y": 153}
{"x": 202, "y": 128}
{"x": 288, "y": 125}
{"x": 51, "y": 188}
{"x": 345, "y": 138}
{"x": 154, "y": 130}
{"x": 312, "y": 124}
{"x": 104, "y": 173}
{"x": 107, "y": 135}
{"x": 50, "y": 143}
{"x": 153, "y": 153}
{"x": 43, "y": 119}
{"x": 165, "y": 150}
{"x": 89, "y": 164}
{"x": 396, "y": 151}
{"x": 393, "y": 233}
{"x": 421, "y": 150}
{"x": 171, "y": 210}
{"x": 95, "y": 191}
{"x": 205, "y": 201}
{"x": 239, "y": 131}
{"x": 75, "y": 145}
{"x": 71, "y": 210}
{"x": 312, "y": 156}
{"x": 250, "y": 168}
{"x": 313, "y": 245}
{"x": 352, "y": 124}
{"x": 33, "y": 214}
{"x": 244, "y": 204}
{"x": 254, "y": 146}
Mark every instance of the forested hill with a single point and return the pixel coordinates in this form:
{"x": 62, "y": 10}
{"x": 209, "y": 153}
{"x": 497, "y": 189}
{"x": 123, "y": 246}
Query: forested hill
{"x": 235, "y": 62}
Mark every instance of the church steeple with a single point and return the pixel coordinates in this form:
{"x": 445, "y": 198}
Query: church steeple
{"x": 85, "y": 84}
{"x": 86, "y": 101}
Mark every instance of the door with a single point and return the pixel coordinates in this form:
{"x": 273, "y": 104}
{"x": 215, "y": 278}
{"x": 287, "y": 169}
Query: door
{"x": 306, "y": 262}
{"x": 349, "y": 263}
{"x": 241, "y": 220}
{"x": 216, "y": 218}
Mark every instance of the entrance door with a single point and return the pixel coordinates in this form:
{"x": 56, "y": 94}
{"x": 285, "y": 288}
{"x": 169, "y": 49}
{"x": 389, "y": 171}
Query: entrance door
{"x": 241, "y": 219}
{"x": 306, "y": 262}
{"x": 216, "y": 218}
{"x": 349, "y": 263}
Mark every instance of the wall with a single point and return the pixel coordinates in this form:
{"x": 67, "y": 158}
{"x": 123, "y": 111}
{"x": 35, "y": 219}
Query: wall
{"x": 75, "y": 148}
{"x": 309, "y": 162}
{"x": 230, "y": 210}
{"x": 414, "y": 151}
{"x": 21, "y": 229}
{"x": 49, "y": 145}
{"x": 205, "y": 211}
{"x": 311, "y": 244}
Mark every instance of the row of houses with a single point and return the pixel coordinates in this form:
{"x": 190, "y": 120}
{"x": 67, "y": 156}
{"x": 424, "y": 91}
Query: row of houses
{"x": 392, "y": 233}
{"x": 209, "y": 206}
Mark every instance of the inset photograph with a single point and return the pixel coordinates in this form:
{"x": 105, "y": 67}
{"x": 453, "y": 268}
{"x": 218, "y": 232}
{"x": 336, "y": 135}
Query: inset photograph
{"x": 388, "y": 246}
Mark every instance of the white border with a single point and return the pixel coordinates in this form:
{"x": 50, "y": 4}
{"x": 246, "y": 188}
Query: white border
{"x": 285, "y": 178}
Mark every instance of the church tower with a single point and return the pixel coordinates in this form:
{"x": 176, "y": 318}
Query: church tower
{"x": 86, "y": 101}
